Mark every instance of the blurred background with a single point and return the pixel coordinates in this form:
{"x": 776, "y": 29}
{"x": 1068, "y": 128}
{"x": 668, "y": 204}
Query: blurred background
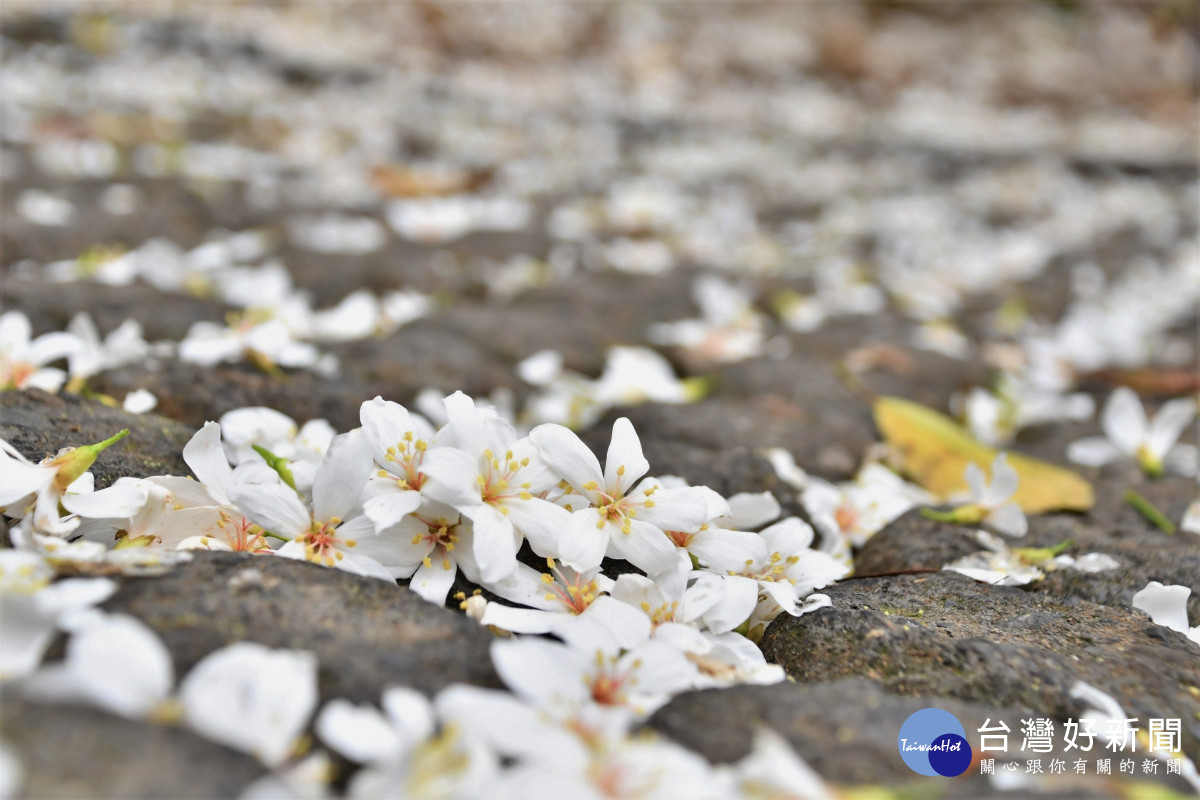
{"x": 965, "y": 144}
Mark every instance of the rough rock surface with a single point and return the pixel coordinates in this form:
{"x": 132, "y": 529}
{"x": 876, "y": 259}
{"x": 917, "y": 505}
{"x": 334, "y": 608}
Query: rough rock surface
{"x": 367, "y": 634}
{"x": 67, "y": 751}
{"x": 946, "y": 635}
{"x": 845, "y": 728}
{"x": 40, "y": 424}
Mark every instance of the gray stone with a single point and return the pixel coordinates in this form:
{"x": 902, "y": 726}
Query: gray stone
{"x": 69, "y": 751}
{"x": 945, "y": 635}
{"x": 366, "y": 633}
{"x": 40, "y": 424}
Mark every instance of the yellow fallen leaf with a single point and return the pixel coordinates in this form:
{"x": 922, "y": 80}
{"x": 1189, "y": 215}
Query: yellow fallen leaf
{"x": 935, "y": 451}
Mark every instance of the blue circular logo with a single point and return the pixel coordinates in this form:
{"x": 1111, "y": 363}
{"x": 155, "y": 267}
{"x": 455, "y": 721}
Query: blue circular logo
{"x": 933, "y": 742}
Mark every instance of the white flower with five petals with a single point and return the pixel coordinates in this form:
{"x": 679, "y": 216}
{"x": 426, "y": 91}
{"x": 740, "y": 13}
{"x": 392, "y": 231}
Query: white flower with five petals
{"x": 618, "y": 519}
{"x": 328, "y": 532}
{"x": 497, "y": 481}
{"x": 1128, "y": 433}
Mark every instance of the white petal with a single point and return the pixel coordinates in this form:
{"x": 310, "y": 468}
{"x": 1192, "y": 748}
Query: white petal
{"x": 751, "y": 511}
{"x": 451, "y": 474}
{"x": 27, "y": 632}
{"x": 1008, "y": 519}
{"x": 52, "y": 346}
{"x": 976, "y": 482}
{"x": 471, "y": 429}
{"x": 19, "y": 478}
{"x": 540, "y": 671}
{"x": 815, "y": 570}
{"x": 206, "y": 458}
{"x": 390, "y": 506}
{"x": 120, "y": 665}
{"x": 663, "y": 669}
{"x": 672, "y": 509}
{"x": 1183, "y": 459}
{"x": 360, "y": 733}
{"x": 362, "y": 564}
{"x": 252, "y": 698}
{"x": 1124, "y": 420}
{"x": 48, "y": 379}
{"x": 433, "y": 582}
{"x": 121, "y": 500}
{"x": 645, "y": 546}
{"x": 788, "y": 536}
{"x": 1191, "y": 518}
{"x": 509, "y": 725}
{"x": 495, "y": 544}
{"x": 1166, "y": 605}
{"x": 274, "y": 506}
{"x": 1004, "y": 483}
{"x": 773, "y": 764}
{"x": 1092, "y": 451}
{"x": 410, "y": 713}
{"x": 15, "y": 331}
{"x": 542, "y": 522}
{"x": 737, "y": 603}
{"x": 385, "y": 423}
{"x": 706, "y": 590}
{"x": 139, "y": 401}
{"x": 1169, "y": 424}
{"x": 724, "y": 550}
{"x": 567, "y": 455}
{"x": 342, "y": 476}
{"x": 584, "y": 545}
{"x": 625, "y": 463}
{"x": 517, "y": 620}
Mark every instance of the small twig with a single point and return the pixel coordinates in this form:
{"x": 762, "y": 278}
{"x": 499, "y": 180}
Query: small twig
{"x": 1152, "y": 514}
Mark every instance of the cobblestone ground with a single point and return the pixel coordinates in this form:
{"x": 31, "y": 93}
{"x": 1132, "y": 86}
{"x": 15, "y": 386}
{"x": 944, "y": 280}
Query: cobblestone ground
{"x": 846, "y": 201}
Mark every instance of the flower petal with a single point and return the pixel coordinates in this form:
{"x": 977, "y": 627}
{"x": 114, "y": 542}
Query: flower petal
{"x": 540, "y": 671}
{"x": 1004, "y": 483}
{"x": 451, "y": 474}
{"x": 342, "y": 476}
{"x": 542, "y": 522}
{"x": 976, "y": 482}
{"x": 206, "y": 458}
{"x": 385, "y": 424}
{"x": 1124, "y": 420}
{"x": 390, "y": 506}
{"x": 121, "y": 500}
{"x": 1092, "y": 451}
{"x": 1008, "y": 519}
{"x": 252, "y": 698}
{"x": 645, "y": 546}
{"x": 273, "y": 506}
{"x": 1169, "y": 424}
{"x": 567, "y": 455}
{"x": 672, "y": 509}
{"x": 495, "y": 543}
{"x": 625, "y": 463}
{"x": 585, "y": 542}
{"x": 433, "y": 582}
{"x": 360, "y": 733}
{"x": 749, "y": 511}
{"x": 1166, "y": 605}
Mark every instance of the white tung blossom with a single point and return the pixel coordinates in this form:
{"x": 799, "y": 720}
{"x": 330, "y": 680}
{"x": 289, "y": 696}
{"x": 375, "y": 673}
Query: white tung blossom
{"x": 1154, "y": 444}
{"x": 608, "y": 514}
{"x": 23, "y": 358}
{"x": 328, "y": 532}
{"x": 498, "y": 482}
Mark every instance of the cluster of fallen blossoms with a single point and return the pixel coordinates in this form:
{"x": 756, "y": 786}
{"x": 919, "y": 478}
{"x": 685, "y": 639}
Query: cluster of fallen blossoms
{"x": 398, "y": 498}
